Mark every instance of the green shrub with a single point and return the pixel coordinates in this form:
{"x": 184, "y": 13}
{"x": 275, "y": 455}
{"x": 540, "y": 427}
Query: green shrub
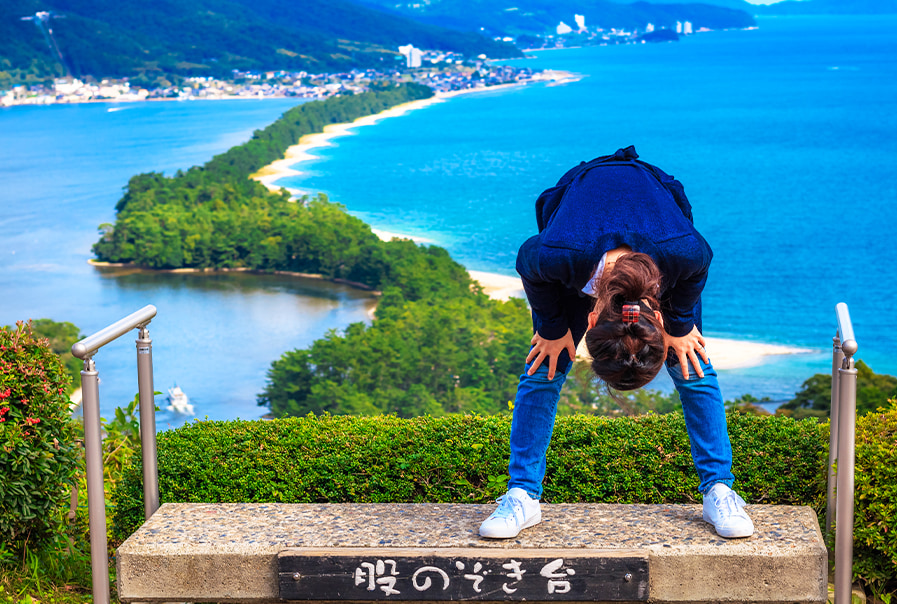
{"x": 875, "y": 513}
{"x": 815, "y": 396}
{"x": 38, "y": 456}
{"x": 462, "y": 458}
{"x": 457, "y": 354}
{"x": 60, "y": 336}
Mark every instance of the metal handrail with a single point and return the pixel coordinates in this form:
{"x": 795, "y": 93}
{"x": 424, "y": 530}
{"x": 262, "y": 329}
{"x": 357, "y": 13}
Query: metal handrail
{"x": 839, "y": 503}
{"x": 93, "y": 437}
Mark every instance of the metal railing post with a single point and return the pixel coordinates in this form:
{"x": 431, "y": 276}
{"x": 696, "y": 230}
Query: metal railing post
{"x": 96, "y": 497}
{"x": 93, "y": 436}
{"x": 147, "y": 422}
{"x": 837, "y": 358}
{"x": 844, "y": 396}
{"x": 844, "y": 524}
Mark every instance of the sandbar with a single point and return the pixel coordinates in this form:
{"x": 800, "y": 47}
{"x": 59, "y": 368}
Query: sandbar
{"x": 726, "y": 353}
{"x": 300, "y": 152}
{"x": 388, "y": 235}
{"x": 498, "y": 287}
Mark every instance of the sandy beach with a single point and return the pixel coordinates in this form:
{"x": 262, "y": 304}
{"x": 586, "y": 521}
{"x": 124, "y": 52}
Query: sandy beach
{"x": 300, "y": 152}
{"x": 498, "y": 287}
{"x": 737, "y": 354}
{"x": 387, "y": 236}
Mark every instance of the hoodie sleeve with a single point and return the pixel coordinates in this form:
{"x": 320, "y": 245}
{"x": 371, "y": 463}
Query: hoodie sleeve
{"x": 546, "y": 273}
{"x": 682, "y": 301}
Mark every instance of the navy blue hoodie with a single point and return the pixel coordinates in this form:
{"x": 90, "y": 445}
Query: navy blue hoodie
{"x": 598, "y": 206}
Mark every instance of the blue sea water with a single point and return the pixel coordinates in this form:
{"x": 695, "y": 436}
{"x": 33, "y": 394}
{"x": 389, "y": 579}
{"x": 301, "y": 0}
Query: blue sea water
{"x": 62, "y": 170}
{"x": 783, "y": 136}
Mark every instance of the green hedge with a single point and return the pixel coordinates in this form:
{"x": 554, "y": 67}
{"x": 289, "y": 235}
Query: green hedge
{"x": 875, "y": 519}
{"x": 464, "y": 459}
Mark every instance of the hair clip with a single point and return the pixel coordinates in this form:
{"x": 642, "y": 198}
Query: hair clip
{"x": 631, "y": 311}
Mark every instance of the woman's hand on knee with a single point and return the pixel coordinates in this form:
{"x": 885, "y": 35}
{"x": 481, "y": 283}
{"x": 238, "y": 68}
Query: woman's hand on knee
{"x": 551, "y": 349}
{"x": 687, "y": 348}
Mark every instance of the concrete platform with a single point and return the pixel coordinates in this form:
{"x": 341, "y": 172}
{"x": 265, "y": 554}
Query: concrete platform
{"x": 229, "y": 552}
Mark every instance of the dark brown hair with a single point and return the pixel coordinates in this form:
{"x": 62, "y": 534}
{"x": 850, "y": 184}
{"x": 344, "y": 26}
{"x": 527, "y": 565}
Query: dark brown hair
{"x": 627, "y": 355}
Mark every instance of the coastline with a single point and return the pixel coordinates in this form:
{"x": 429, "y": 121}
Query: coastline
{"x": 300, "y": 152}
{"x": 251, "y": 271}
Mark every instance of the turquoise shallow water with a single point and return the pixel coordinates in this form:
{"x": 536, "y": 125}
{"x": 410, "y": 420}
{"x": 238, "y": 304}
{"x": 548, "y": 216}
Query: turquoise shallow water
{"x": 784, "y": 138}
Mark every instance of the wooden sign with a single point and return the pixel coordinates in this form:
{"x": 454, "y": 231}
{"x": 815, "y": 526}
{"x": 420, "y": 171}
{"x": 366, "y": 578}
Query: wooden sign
{"x": 462, "y": 574}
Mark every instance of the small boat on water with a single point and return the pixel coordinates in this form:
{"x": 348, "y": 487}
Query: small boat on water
{"x": 178, "y": 401}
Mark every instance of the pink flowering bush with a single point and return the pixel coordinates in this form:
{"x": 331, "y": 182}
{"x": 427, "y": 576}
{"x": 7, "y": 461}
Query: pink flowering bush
{"x": 38, "y": 454}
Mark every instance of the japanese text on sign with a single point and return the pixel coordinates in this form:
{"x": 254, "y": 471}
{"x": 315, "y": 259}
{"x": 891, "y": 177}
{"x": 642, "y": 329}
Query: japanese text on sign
{"x": 384, "y": 575}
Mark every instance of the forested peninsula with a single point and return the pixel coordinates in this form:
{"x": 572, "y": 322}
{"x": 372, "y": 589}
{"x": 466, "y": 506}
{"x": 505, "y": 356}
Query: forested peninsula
{"x": 216, "y": 216}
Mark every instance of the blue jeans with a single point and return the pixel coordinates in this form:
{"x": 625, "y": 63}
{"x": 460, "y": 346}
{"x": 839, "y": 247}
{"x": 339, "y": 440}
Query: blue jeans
{"x": 536, "y": 405}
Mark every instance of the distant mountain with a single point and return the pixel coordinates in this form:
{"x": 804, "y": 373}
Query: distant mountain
{"x": 149, "y": 39}
{"x": 830, "y": 7}
{"x": 538, "y": 17}
{"x": 733, "y": 4}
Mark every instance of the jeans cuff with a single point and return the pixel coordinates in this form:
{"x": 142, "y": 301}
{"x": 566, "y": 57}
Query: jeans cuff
{"x": 728, "y": 483}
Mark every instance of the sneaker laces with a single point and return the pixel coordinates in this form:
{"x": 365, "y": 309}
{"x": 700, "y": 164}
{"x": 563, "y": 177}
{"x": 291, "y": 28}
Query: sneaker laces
{"x": 728, "y": 504}
{"x": 507, "y": 507}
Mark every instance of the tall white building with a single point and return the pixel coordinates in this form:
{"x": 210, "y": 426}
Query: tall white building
{"x": 678, "y": 27}
{"x": 580, "y": 22}
{"x": 412, "y": 55}
{"x": 687, "y": 28}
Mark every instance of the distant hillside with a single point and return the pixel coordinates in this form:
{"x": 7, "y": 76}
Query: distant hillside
{"x": 830, "y": 7}
{"x": 538, "y": 17}
{"x": 113, "y": 38}
{"x": 733, "y": 4}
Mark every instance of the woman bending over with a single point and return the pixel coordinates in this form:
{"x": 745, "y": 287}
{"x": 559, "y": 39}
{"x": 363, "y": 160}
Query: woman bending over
{"x": 617, "y": 259}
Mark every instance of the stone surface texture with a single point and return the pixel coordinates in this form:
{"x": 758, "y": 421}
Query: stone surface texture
{"x": 228, "y": 552}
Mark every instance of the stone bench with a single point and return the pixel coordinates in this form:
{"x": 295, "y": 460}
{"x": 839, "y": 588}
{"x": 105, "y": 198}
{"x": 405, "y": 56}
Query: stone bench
{"x": 420, "y": 552}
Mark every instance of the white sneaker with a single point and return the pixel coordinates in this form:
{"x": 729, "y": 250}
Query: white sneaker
{"x": 516, "y": 511}
{"x": 724, "y": 509}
